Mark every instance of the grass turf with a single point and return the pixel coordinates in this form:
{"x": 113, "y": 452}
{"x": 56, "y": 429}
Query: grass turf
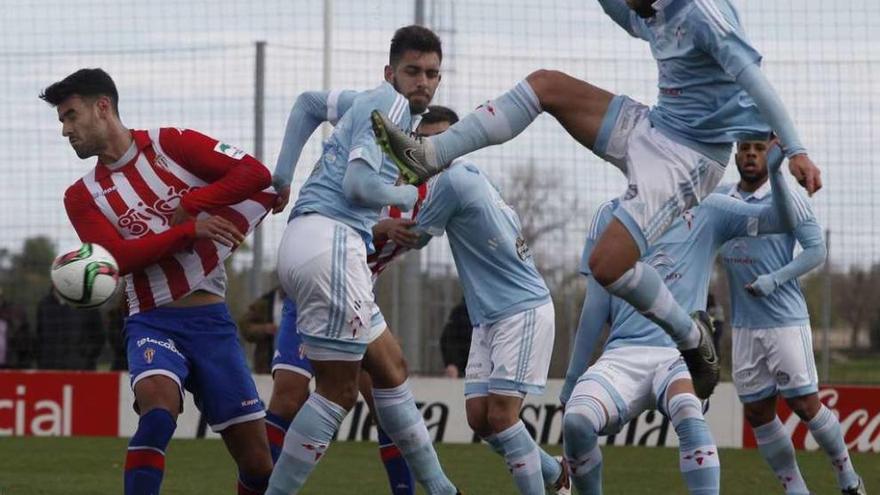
{"x": 79, "y": 466}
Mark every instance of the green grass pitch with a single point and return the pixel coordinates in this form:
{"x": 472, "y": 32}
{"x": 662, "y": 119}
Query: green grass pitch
{"x": 80, "y": 466}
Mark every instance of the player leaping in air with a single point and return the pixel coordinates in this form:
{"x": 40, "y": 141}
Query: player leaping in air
{"x": 712, "y": 94}
{"x": 640, "y": 367}
{"x": 170, "y": 205}
{"x": 322, "y": 266}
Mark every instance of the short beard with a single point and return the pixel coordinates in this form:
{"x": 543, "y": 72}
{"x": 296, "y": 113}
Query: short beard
{"x": 645, "y": 11}
{"x": 417, "y": 109}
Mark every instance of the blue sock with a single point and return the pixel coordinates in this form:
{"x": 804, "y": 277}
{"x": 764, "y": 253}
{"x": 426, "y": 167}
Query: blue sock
{"x": 252, "y": 485}
{"x": 698, "y": 455}
{"x": 145, "y": 459}
{"x": 826, "y": 430}
{"x": 523, "y": 460}
{"x": 399, "y": 476}
{"x": 306, "y": 441}
{"x": 400, "y": 418}
{"x": 551, "y": 469}
{"x": 583, "y": 419}
{"x": 495, "y": 122}
{"x": 642, "y": 287}
{"x": 776, "y": 448}
{"x": 276, "y": 428}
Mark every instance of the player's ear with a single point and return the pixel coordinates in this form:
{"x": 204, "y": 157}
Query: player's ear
{"x": 105, "y": 106}
{"x": 389, "y": 73}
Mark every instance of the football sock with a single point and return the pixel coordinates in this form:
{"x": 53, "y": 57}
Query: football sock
{"x": 400, "y": 418}
{"x": 584, "y": 418}
{"x": 252, "y": 485}
{"x": 550, "y": 467}
{"x": 399, "y": 476}
{"x": 145, "y": 459}
{"x": 276, "y": 428}
{"x": 642, "y": 287}
{"x": 306, "y": 441}
{"x": 494, "y": 122}
{"x": 826, "y": 430}
{"x": 698, "y": 455}
{"x": 776, "y": 448}
{"x": 523, "y": 459}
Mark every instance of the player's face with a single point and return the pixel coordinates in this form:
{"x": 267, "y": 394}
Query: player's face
{"x": 82, "y": 124}
{"x": 432, "y": 129}
{"x": 751, "y": 160}
{"x": 416, "y": 76}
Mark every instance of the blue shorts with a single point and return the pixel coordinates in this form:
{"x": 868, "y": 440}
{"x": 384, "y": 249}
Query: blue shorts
{"x": 198, "y": 348}
{"x": 289, "y": 354}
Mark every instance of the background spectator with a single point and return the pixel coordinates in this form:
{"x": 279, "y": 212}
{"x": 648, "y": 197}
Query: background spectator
{"x": 115, "y": 317}
{"x": 15, "y": 338}
{"x": 455, "y": 341}
{"x": 67, "y": 338}
{"x": 260, "y": 325}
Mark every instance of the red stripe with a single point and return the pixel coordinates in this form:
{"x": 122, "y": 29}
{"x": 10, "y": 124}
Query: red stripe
{"x": 143, "y": 290}
{"x": 390, "y": 452}
{"x": 275, "y": 434}
{"x": 245, "y": 490}
{"x": 266, "y": 199}
{"x": 239, "y": 220}
{"x": 141, "y": 458}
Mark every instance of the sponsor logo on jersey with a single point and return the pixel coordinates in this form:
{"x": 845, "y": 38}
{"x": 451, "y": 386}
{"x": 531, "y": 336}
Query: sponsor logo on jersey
{"x": 103, "y": 192}
{"x": 522, "y": 249}
{"x": 138, "y": 218}
{"x": 229, "y": 150}
{"x": 167, "y": 344}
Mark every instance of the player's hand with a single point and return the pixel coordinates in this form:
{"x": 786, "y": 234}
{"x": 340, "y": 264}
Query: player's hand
{"x": 762, "y": 286}
{"x": 282, "y": 200}
{"x": 219, "y": 229}
{"x": 451, "y": 371}
{"x": 400, "y": 232}
{"x": 806, "y": 172}
{"x": 180, "y": 216}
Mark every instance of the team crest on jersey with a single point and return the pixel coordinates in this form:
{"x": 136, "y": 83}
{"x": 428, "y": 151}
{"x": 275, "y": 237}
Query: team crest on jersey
{"x": 522, "y": 249}
{"x": 229, "y": 150}
{"x": 631, "y": 192}
{"x": 782, "y": 378}
{"x": 688, "y": 217}
{"x": 149, "y": 354}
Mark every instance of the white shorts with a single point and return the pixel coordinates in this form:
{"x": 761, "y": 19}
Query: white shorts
{"x": 773, "y": 360}
{"x": 322, "y": 266}
{"x": 665, "y": 177}
{"x": 511, "y": 356}
{"x": 635, "y": 378}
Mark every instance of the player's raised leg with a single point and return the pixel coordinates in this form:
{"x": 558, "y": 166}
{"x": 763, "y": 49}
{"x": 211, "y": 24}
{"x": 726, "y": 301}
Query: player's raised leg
{"x": 577, "y": 105}
{"x": 398, "y": 415}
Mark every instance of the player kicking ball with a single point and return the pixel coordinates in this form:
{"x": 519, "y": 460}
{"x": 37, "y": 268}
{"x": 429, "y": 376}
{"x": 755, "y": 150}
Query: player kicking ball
{"x": 712, "y": 94}
{"x": 772, "y": 341}
{"x": 512, "y": 313}
{"x": 170, "y": 205}
{"x": 322, "y": 266}
{"x": 640, "y": 367}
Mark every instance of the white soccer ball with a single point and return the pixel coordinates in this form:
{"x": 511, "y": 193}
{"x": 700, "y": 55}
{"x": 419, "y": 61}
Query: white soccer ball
{"x": 85, "y": 276}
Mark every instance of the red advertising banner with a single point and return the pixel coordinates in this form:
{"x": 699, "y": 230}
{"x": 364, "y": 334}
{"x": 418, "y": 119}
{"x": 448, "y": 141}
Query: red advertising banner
{"x": 857, "y": 408}
{"x": 47, "y": 403}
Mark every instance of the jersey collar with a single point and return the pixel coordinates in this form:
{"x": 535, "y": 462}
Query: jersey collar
{"x": 758, "y": 195}
{"x": 140, "y": 141}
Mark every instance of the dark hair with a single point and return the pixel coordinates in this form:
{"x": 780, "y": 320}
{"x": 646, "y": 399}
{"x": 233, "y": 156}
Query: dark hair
{"x": 418, "y": 38}
{"x": 88, "y": 83}
{"x": 437, "y": 113}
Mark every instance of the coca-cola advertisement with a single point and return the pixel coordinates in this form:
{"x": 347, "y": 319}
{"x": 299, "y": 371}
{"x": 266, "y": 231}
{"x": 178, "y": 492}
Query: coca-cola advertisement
{"x": 65, "y": 404}
{"x": 857, "y": 408}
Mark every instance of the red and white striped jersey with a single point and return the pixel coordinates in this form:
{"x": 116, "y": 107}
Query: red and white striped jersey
{"x": 386, "y": 249}
{"x": 127, "y": 207}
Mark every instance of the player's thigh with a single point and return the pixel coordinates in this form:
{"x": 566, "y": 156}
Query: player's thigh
{"x": 578, "y": 105}
{"x": 790, "y": 358}
{"x": 290, "y": 390}
{"x": 520, "y": 349}
{"x": 503, "y": 411}
{"x": 477, "y": 410}
{"x": 248, "y": 445}
{"x": 384, "y": 361}
{"x": 337, "y": 381}
{"x": 615, "y": 252}
{"x": 158, "y": 392}
{"x": 753, "y": 378}
{"x": 760, "y": 412}
{"x": 157, "y": 367}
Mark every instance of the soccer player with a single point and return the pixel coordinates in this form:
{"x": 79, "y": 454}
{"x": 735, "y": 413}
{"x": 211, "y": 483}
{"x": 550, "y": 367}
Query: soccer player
{"x": 170, "y": 205}
{"x": 512, "y": 313}
{"x": 322, "y": 265}
{"x": 772, "y": 341}
{"x": 640, "y": 367}
{"x": 291, "y": 370}
{"x": 712, "y": 94}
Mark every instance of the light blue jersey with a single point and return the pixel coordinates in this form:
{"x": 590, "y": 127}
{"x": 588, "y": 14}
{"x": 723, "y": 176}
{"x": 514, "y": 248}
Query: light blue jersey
{"x": 498, "y": 275}
{"x": 353, "y": 139}
{"x": 746, "y": 258}
{"x": 700, "y": 48}
{"x": 683, "y": 256}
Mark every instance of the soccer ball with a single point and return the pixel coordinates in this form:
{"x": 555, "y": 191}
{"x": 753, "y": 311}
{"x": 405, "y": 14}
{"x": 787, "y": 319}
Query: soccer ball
{"x": 86, "y": 276}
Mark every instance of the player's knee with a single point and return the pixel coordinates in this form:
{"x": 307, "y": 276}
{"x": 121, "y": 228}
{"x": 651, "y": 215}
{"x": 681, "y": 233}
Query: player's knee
{"x": 479, "y": 423}
{"x": 756, "y": 415}
{"x": 577, "y": 425}
{"x": 601, "y": 269}
{"x": 546, "y": 84}
{"x": 806, "y": 407}
{"x": 501, "y": 418}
